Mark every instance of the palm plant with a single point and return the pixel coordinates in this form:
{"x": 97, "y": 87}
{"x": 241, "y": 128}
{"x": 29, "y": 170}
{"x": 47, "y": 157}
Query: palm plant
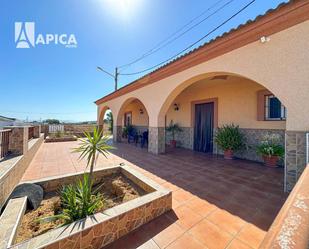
{"x": 79, "y": 200}
{"x": 91, "y": 146}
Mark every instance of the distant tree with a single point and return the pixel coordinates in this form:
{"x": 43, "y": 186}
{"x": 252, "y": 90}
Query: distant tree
{"x": 52, "y": 121}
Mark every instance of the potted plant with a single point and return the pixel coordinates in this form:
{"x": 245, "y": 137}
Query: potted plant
{"x": 271, "y": 150}
{"x": 173, "y": 128}
{"x": 126, "y": 130}
{"x": 229, "y": 139}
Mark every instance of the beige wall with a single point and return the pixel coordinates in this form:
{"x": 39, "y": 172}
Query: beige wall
{"x": 137, "y": 118}
{"x": 237, "y": 103}
{"x": 280, "y": 65}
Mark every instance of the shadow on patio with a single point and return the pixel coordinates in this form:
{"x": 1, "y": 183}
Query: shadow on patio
{"x": 216, "y": 203}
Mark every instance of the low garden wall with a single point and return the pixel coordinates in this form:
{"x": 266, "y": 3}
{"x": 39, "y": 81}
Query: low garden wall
{"x": 291, "y": 226}
{"x": 76, "y": 129}
{"x": 95, "y": 231}
{"x": 64, "y": 138}
{"x": 13, "y": 168}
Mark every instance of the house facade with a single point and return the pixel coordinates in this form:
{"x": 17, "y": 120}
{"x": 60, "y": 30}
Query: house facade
{"x": 255, "y": 76}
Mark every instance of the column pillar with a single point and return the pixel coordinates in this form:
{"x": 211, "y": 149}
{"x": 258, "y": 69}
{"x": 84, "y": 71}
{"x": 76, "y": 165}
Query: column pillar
{"x": 37, "y": 131}
{"x": 295, "y": 157}
{"x": 18, "y": 139}
{"x": 117, "y": 133}
{"x": 156, "y": 140}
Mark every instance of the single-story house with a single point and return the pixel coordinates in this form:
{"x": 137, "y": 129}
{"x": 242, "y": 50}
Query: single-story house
{"x": 255, "y": 76}
{"x": 6, "y": 121}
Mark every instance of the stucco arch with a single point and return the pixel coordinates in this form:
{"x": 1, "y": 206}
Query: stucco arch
{"x": 190, "y": 81}
{"x": 101, "y": 112}
{"x": 123, "y": 106}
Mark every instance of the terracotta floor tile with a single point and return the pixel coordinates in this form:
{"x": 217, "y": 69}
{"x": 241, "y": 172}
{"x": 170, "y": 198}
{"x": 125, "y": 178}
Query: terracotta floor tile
{"x": 263, "y": 220}
{"x": 200, "y": 206}
{"x": 186, "y": 241}
{"x": 237, "y": 244}
{"x": 170, "y": 186}
{"x": 251, "y": 235}
{"x": 150, "y": 244}
{"x": 137, "y": 239}
{"x": 182, "y": 195}
{"x": 201, "y": 184}
{"x": 168, "y": 235}
{"x": 186, "y": 217}
{"x": 226, "y": 221}
{"x": 175, "y": 203}
{"x": 210, "y": 235}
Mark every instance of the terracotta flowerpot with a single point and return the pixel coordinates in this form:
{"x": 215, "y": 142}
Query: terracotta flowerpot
{"x": 173, "y": 143}
{"x": 271, "y": 161}
{"x": 228, "y": 154}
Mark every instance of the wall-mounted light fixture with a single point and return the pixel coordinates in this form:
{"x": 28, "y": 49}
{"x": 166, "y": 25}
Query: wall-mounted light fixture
{"x": 141, "y": 111}
{"x": 264, "y": 39}
{"x": 176, "y": 107}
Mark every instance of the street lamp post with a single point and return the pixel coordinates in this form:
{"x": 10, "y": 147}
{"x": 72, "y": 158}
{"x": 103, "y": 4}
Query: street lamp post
{"x": 114, "y": 76}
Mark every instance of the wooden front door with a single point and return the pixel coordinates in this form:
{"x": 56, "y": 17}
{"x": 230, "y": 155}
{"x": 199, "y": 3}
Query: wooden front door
{"x": 203, "y": 127}
{"x": 128, "y": 118}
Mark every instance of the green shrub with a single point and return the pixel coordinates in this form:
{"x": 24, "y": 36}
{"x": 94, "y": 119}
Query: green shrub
{"x": 77, "y": 201}
{"x": 126, "y": 130}
{"x": 58, "y": 134}
{"x": 173, "y": 128}
{"x": 229, "y": 137}
{"x": 270, "y": 146}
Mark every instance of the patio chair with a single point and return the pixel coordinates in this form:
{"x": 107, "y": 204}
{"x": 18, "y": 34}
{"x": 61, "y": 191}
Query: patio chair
{"x": 132, "y": 134}
{"x": 144, "y": 138}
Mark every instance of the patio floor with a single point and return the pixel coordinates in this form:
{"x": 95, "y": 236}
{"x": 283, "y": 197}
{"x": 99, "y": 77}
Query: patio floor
{"x": 216, "y": 203}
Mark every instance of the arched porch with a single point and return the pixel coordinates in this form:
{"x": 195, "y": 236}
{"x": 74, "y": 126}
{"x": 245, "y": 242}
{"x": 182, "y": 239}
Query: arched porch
{"x": 232, "y": 99}
{"x": 132, "y": 120}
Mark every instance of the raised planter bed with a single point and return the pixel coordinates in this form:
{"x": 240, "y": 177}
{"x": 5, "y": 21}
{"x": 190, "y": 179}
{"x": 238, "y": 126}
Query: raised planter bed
{"x": 65, "y": 138}
{"x": 97, "y": 230}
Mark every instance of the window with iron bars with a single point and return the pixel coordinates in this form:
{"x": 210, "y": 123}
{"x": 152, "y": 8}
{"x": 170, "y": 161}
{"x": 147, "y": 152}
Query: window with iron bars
{"x": 274, "y": 110}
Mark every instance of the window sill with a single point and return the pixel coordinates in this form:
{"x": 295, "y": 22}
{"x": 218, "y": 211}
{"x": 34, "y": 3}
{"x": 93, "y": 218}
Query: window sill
{"x": 275, "y": 119}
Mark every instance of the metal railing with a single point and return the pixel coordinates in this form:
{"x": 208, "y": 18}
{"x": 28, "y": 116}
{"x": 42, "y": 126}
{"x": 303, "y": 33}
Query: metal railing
{"x": 4, "y": 142}
{"x": 55, "y": 128}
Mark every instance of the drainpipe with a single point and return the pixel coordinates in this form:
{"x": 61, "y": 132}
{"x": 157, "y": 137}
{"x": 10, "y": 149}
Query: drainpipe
{"x": 285, "y": 169}
{"x": 307, "y": 148}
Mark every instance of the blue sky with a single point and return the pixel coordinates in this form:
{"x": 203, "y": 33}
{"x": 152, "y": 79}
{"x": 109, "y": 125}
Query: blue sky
{"x": 51, "y": 81}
